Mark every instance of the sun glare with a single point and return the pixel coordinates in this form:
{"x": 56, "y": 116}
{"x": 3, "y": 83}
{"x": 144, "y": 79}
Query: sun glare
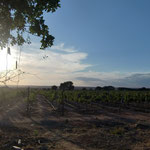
{"x": 6, "y": 61}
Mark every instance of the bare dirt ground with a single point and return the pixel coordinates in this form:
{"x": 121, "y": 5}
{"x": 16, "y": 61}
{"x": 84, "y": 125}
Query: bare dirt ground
{"x": 103, "y": 128}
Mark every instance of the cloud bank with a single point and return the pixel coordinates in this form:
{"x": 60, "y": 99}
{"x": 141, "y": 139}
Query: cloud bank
{"x": 61, "y": 63}
{"x": 133, "y": 80}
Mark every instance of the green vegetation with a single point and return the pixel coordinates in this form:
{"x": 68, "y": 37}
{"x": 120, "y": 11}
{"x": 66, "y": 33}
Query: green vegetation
{"x": 10, "y": 94}
{"x": 26, "y": 16}
{"x": 78, "y": 97}
{"x": 117, "y": 131}
{"x": 87, "y": 96}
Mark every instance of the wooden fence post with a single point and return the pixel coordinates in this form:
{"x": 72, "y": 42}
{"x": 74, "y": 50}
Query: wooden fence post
{"x": 28, "y": 100}
{"x": 62, "y": 104}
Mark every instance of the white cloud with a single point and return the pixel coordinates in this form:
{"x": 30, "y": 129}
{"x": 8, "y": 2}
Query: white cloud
{"x": 56, "y": 62}
{"x": 51, "y": 67}
{"x": 129, "y": 79}
{"x": 61, "y": 47}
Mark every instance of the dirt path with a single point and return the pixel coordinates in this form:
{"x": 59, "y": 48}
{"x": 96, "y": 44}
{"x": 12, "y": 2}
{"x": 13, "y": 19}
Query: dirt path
{"x": 13, "y": 113}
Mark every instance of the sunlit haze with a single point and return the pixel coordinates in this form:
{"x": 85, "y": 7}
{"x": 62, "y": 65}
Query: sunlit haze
{"x": 6, "y": 61}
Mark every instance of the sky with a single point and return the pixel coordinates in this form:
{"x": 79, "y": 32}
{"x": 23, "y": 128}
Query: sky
{"x": 97, "y": 43}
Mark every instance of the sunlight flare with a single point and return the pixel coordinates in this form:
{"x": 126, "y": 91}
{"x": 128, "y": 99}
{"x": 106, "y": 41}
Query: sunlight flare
{"x": 6, "y": 61}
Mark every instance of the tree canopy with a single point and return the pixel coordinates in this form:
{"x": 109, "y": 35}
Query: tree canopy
{"x": 20, "y": 16}
{"x": 68, "y": 85}
{"x": 54, "y": 87}
{"x": 98, "y": 88}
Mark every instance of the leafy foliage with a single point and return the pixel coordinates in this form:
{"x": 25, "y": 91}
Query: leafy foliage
{"x": 88, "y": 96}
{"x": 67, "y": 85}
{"x": 19, "y": 16}
{"x": 54, "y": 87}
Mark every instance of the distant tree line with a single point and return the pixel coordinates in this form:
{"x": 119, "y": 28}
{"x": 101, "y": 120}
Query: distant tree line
{"x": 68, "y": 85}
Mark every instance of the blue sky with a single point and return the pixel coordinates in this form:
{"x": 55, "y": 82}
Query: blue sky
{"x": 99, "y": 42}
{"x": 115, "y": 34}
